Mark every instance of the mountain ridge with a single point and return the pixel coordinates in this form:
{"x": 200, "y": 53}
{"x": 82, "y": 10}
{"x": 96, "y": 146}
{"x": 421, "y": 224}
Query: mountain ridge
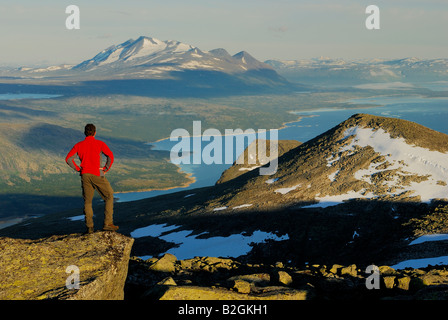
{"x": 369, "y": 211}
{"x": 356, "y": 72}
{"x": 332, "y": 167}
{"x": 152, "y": 67}
{"x": 150, "y": 57}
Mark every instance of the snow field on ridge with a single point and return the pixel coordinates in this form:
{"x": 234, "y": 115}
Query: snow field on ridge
{"x": 417, "y": 160}
{"x": 191, "y": 246}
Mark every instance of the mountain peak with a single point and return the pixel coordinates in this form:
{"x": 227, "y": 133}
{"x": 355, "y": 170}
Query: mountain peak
{"x": 220, "y": 53}
{"x": 149, "y": 56}
{"x": 249, "y": 61}
{"x": 413, "y": 133}
{"x": 366, "y": 157}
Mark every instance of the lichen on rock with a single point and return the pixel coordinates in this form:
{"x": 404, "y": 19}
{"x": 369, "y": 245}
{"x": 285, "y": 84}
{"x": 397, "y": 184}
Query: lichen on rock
{"x": 38, "y": 269}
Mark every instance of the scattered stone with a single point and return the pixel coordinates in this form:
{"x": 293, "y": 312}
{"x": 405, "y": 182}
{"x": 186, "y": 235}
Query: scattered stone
{"x": 201, "y": 293}
{"x": 386, "y": 270}
{"x": 241, "y": 286}
{"x": 404, "y": 283}
{"x": 279, "y": 265}
{"x": 164, "y": 264}
{"x": 335, "y": 268}
{"x": 350, "y": 270}
{"x": 284, "y": 278}
{"x": 103, "y": 261}
{"x": 435, "y": 277}
{"x": 167, "y": 282}
{"x": 258, "y": 279}
{"x": 389, "y": 281}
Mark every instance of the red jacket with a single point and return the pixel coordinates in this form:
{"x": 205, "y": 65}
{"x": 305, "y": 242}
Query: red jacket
{"x": 89, "y": 152}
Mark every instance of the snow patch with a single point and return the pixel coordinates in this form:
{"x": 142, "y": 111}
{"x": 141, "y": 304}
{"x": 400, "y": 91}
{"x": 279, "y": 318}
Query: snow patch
{"x": 399, "y": 155}
{"x": 243, "y": 206}
{"x": 76, "y": 218}
{"x": 286, "y": 190}
{"x": 333, "y": 175}
{"x": 421, "y": 263}
{"x": 430, "y": 237}
{"x": 192, "y": 246}
{"x": 329, "y": 201}
{"x": 410, "y": 159}
{"x": 249, "y": 169}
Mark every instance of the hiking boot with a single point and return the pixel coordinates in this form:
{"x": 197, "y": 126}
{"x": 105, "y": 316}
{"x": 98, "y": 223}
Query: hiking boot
{"x": 89, "y": 231}
{"x": 110, "y": 227}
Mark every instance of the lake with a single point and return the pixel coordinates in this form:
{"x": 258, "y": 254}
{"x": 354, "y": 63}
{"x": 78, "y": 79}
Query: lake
{"x": 429, "y": 112}
{"x": 19, "y": 96}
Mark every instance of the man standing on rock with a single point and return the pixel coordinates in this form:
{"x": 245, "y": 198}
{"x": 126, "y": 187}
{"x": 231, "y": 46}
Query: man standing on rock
{"x": 93, "y": 176}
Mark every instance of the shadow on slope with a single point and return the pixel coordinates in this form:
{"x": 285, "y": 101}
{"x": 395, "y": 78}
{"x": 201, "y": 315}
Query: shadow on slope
{"x": 59, "y": 140}
{"x": 361, "y": 232}
{"x": 27, "y": 206}
{"x": 178, "y": 84}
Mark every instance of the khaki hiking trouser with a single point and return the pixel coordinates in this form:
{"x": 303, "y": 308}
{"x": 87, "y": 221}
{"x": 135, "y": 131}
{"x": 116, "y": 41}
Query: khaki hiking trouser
{"x": 90, "y": 183}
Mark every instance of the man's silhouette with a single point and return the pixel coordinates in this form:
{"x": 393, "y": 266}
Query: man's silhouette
{"x": 92, "y": 176}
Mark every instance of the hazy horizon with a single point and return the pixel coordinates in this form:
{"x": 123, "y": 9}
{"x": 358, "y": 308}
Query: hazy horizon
{"x": 35, "y": 33}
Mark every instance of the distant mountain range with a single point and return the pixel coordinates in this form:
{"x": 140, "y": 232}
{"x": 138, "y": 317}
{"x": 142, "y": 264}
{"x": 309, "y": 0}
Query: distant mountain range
{"x": 324, "y": 70}
{"x": 182, "y": 67}
{"x": 148, "y": 58}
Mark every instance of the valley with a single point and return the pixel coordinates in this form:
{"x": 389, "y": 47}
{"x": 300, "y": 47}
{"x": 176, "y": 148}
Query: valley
{"x": 36, "y": 134}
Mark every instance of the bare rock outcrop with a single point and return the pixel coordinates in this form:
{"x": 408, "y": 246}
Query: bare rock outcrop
{"x": 65, "y": 267}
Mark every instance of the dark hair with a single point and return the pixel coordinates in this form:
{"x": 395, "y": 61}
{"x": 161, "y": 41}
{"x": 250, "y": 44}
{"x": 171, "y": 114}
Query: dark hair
{"x": 89, "y": 130}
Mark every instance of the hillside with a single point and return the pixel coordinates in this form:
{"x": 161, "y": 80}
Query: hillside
{"x": 358, "y": 193}
{"x": 250, "y": 161}
{"x": 365, "y": 157}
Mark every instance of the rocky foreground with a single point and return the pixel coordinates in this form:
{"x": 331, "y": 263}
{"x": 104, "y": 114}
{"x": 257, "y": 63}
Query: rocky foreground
{"x": 209, "y": 278}
{"x": 38, "y": 270}
{"x": 43, "y": 269}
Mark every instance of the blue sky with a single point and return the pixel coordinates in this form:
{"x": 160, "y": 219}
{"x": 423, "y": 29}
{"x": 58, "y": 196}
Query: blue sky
{"x": 33, "y": 32}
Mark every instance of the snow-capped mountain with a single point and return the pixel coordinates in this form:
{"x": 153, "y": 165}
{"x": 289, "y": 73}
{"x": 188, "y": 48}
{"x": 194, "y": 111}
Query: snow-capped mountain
{"x": 148, "y": 57}
{"x": 367, "y": 70}
{"x": 131, "y": 50}
{"x": 184, "y": 69}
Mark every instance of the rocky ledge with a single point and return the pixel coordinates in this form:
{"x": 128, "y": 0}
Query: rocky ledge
{"x": 67, "y": 267}
{"x": 209, "y": 278}
{"x": 99, "y": 267}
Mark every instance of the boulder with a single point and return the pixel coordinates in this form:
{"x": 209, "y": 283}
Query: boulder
{"x": 203, "y": 293}
{"x": 164, "y": 264}
{"x": 65, "y": 267}
{"x": 350, "y": 270}
{"x": 257, "y": 279}
{"x": 389, "y": 281}
{"x": 241, "y": 286}
{"x": 284, "y": 278}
